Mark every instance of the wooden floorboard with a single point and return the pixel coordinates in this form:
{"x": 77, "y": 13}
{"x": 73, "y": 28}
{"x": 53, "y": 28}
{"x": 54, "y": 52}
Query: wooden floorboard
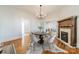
{"x": 18, "y": 44}
{"x": 23, "y": 50}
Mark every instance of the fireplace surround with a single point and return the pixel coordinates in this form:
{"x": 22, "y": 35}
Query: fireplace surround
{"x": 67, "y": 30}
{"x": 65, "y": 35}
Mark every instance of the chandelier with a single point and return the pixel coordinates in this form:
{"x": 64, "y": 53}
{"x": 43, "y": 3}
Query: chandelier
{"x": 41, "y": 16}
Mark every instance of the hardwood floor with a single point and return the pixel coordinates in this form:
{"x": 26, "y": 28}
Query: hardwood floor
{"x": 18, "y": 44}
{"x": 21, "y": 50}
{"x": 48, "y": 52}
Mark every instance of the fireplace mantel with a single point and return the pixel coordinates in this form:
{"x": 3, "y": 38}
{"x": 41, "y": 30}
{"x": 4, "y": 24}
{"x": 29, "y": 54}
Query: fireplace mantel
{"x": 68, "y": 23}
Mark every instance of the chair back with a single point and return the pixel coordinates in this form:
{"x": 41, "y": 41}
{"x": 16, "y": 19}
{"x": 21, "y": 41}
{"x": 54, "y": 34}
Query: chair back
{"x": 35, "y": 39}
{"x": 52, "y": 38}
{"x": 9, "y": 49}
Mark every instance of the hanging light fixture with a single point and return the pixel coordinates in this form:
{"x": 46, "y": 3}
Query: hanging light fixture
{"x": 41, "y": 16}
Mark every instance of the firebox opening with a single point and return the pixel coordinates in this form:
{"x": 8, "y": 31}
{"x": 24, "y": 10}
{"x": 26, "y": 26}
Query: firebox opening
{"x": 64, "y": 36}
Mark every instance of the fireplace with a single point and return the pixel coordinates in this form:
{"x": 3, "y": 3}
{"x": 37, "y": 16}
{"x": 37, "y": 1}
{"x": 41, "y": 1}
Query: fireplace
{"x": 64, "y": 36}
{"x": 67, "y": 30}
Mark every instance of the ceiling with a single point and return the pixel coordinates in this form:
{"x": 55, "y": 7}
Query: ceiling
{"x": 47, "y": 10}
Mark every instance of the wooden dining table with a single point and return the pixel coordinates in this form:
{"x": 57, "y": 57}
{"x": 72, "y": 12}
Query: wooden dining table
{"x": 40, "y": 33}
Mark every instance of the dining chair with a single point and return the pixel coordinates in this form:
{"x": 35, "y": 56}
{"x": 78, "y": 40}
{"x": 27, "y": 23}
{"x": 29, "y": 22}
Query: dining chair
{"x": 33, "y": 42}
{"x": 52, "y": 46}
{"x": 9, "y": 49}
{"x": 51, "y": 42}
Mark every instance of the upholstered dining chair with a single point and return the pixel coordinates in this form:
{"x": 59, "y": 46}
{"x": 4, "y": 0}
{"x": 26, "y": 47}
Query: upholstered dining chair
{"x": 9, "y": 49}
{"x": 51, "y": 42}
{"x": 52, "y": 46}
{"x": 33, "y": 42}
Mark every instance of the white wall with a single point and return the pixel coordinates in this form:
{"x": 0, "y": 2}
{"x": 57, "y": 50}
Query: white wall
{"x": 52, "y": 24}
{"x": 34, "y": 25}
{"x": 67, "y": 11}
{"x": 47, "y": 23}
{"x": 11, "y": 22}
